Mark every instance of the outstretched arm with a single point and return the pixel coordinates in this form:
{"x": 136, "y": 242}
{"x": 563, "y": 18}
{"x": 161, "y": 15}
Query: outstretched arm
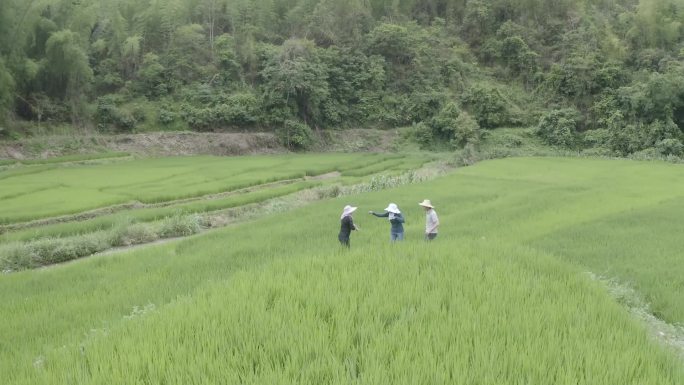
{"x": 384, "y": 215}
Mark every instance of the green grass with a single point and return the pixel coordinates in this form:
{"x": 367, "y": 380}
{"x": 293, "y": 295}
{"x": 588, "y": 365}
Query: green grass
{"x": 405, "y": 316}
{"x": 501, "y": 297}
{"x": 7, "y": 162}
{"x": 47, "y": 191}
{"x": 76, "y": 158}
{"x": 105, "y": 222}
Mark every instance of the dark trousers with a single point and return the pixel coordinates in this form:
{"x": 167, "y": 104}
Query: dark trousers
{"x": 431, "y": 236}
{"x": 343, "y": 240}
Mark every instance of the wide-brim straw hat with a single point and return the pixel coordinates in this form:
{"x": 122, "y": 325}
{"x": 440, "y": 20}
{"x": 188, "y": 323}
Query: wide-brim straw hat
{"x": 348, "y": 210}
{"x": 426, "y": 203}
{"x": 393, "y": 208}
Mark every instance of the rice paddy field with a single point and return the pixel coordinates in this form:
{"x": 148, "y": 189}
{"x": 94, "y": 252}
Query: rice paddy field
{"x": 504, "y": 295}
{"x": 30, "y": 193}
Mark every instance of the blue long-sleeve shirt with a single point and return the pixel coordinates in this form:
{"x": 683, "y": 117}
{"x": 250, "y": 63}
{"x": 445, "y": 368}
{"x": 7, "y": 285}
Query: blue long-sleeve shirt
{"x": 397, "y": 221}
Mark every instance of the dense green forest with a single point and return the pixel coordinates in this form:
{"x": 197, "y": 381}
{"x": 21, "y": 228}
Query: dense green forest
{"x": 602, "y": 74}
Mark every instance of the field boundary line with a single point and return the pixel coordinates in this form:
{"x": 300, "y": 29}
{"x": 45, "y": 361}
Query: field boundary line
{"x": 671, "y": 335}
{"x": 219, "y": 219}
{"x": 136, "y": 205}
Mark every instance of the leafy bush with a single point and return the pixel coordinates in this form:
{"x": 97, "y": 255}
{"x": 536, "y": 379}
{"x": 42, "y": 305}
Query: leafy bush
{"x": 111, "y": 115}
{"x": 239, "y": 110}
{"x": 489, "y": 106}
{"x": 180, "y": 226}
{"x": 625, "y": 140}
{"x": 423, "y": 135}
{"x": 466, "y": 131}
{"x": 166, "y": 116}
{"x": 646, "y": 154}
{"x": 51, "y": 250}
{"x": 128, "y": 233}
{"x": 451, "y": 125}
{"x": 559, "y": 127}
{"x": 596, "y": 138}
{"x": 670, "y": 147}
{"x": 295, "y": 135}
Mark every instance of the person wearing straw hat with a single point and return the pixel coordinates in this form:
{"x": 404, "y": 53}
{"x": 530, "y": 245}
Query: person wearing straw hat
{"x": 396, "y": 220}
{"x": 431, "y": 220}
{"x": 346, "y": 225}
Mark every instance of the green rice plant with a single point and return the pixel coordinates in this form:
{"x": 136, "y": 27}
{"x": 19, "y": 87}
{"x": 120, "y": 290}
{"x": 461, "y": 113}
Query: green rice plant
{"x": 106, "y": 222}
{"x": 7, "y": 162}
{"x": 76, "y": 158}
{"x": 402, "y": 315}
{"x": 501, "y": 296}
{"x": 373, "y": 168}
{"x": 44, "y": 191}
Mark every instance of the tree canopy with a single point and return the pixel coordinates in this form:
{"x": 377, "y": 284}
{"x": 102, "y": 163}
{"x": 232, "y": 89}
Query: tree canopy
{"x": 121, "y": 65}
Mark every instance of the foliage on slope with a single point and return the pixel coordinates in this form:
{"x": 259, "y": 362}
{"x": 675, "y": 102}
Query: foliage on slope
{"x": 599, "y": 73}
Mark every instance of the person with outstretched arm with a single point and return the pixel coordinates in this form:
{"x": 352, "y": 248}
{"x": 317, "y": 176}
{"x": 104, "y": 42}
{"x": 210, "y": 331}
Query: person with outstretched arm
{"x": 431, "y": 220}
{"x": 346, "y": 225}
{"x": 396, "y": 220}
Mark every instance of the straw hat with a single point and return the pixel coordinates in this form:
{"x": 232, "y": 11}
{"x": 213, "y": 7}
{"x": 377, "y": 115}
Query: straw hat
{"x": 393, "y": 208}
{"x": 348, "y": 210}
{"x": 426, "y": 203}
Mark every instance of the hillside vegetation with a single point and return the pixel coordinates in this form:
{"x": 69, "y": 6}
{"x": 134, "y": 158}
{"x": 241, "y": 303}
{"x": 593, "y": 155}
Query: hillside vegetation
{"x": 599, "y": 74}
{"x": 502, "y": 296}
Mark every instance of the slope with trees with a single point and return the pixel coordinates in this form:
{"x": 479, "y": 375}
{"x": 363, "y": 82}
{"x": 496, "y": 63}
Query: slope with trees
{"x": 606, "y": 74}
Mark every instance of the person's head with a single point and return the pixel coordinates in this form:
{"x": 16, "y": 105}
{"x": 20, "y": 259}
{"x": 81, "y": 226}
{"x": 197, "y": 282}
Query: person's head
{"x": 348, "y": 210}
{"x": 426, "y": 204}
{"x": 393, "y": 208}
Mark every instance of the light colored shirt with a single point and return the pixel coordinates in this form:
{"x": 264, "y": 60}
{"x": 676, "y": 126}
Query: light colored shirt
{"x": 431, "y": 221}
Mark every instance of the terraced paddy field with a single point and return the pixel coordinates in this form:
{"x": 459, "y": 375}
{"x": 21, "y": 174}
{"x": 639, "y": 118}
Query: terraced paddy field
{"x": 502, "y": 296}
{"x": 30, "y": 193}
{"x": 64, "y": 211}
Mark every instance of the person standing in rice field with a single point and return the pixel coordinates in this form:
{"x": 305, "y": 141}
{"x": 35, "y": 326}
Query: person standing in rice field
{"x": 396, "y": 220}
{"x": 431, "y": 220}
{"x": 346, "y": 225}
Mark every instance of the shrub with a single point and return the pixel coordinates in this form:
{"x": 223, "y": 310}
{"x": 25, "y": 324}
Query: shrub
{"x": 110, "y": 114}
{"x": 52, "y": 250}
{"x": 625, "y": 140}
{"x": 468, "y": 156}
{"x": 466, "y": 131}
{"x": 670, "y": 147}
{"x": 127, "y": 234}
{"x": 559, "y": 127}
{"x": 239, "y": 110}
{"x": 646, "y": 154}
{"x": 452, "y": 125}
{"x": 596, "y": 138}
{"x": 180, "y": 226}
{"x": 488, "y": 106}
{"x": 295, "y": 135}
{"x": 166, "y": 116}
{"x": 422, "y": 133}
{"x": 17, "y": 256}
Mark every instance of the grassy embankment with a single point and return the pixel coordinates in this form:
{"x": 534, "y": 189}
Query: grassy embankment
{"x": 277, "y": 301}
